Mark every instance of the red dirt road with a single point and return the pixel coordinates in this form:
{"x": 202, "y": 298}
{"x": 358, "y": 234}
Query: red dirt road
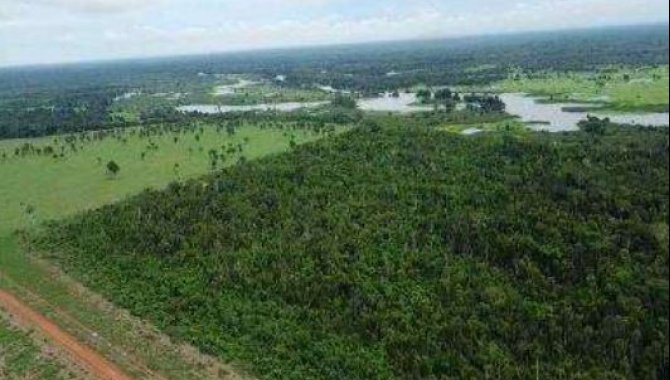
{"x": 100, "y": 367}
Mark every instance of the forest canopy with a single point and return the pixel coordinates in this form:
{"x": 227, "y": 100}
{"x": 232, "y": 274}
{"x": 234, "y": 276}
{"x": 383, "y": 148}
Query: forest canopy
{"x": 403, "y": 253}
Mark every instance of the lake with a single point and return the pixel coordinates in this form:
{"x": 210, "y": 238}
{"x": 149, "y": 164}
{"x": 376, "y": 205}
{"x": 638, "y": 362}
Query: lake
{"x": 230, "y": 89}
{"x": 552, "y": 117}
{"x": 403, "y": 103}
{"x": 218, "y": 109}
{"x": 331, "y": 90}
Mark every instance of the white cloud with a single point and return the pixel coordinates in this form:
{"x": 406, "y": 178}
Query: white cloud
{"x": 7, "y": 11}
{"x": 422, "y": 22}
{"x": 96, "y": 6}
{"x": 64, "y": 30}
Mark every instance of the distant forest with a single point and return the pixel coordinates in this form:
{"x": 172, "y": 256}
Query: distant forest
{"x": 36, "y": 101}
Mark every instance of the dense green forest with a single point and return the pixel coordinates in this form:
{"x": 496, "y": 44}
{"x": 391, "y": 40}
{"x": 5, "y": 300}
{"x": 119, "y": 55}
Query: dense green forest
{"x": 395, "y": 252}
{"x": 38, "y": 101}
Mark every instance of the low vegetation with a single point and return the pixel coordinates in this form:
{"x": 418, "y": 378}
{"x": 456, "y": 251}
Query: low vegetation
{"x": 21, "y": 358}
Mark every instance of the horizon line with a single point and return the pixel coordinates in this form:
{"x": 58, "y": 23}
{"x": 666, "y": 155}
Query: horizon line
{"x": 158, "y": 57}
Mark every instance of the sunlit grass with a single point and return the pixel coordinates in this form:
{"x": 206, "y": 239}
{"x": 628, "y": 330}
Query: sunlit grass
{"x": 621, "y": 89}
{"x": 37, "y": 187}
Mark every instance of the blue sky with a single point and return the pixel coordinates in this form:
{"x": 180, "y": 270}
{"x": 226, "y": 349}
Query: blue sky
{"x": 49, "y": 31}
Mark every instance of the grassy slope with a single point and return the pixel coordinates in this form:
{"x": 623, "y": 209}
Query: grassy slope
{"x": 404, "y": 254}
{"x": 647, "y": 89}
{"x": 60, "y": 187}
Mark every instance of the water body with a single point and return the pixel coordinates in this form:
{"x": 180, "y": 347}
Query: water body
{"x": 229, "y": 89}
{"x": 218, "y": 109}
{"x": 331, "y": 90}
{"x": 404, "y": 103}
{"x": 170, "y": 95}
{"x": 552, "y": 117}
{"x": 471, "y": 131}
{"x": 127, "y": 95}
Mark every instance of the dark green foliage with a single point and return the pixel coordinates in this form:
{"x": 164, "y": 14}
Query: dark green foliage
{"x": 594, "y": 125}
{"x": 446, "y": 98}
{"x": 404, "y": 253}
{"x": 424, "y": 95}
{"x": 449, "y": 62}
{"x": 113, "y": 168}
{"x": 30, "y": 115}
{"x": 344, "y": 102}
{"x": 443, "y": 94}
{"x": 485, "y": 103}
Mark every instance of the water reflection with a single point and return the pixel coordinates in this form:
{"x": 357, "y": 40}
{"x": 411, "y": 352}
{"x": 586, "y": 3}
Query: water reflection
{"x": 218, "y": 109}
{"x": 553, "y": 117}
{"x": 402, "y": 103}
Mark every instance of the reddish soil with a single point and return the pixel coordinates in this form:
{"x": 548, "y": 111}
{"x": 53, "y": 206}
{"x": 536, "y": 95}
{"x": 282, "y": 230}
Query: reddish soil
{"x": 100, "y": 367}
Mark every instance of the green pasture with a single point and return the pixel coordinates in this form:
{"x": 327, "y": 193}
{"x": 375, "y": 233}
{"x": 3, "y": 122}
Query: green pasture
{"x": 35, "y": 188}
{"x": 642, "y": 89}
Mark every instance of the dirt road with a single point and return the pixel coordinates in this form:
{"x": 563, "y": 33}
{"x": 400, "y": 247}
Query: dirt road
{"x": 100, "y": 367}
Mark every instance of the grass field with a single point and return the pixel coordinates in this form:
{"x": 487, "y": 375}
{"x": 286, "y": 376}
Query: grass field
{"x": 631, "y": 90}
{"x": 58, "y": 187}
{"x": 22, "y": 358}
{"x": 54, "y": 188}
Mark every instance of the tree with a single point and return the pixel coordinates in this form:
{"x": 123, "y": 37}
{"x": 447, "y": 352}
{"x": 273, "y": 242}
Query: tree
{"x": 113, "y": 168}
{"x": 344, "y": 102}
{"x": 443, "y": 94}
{"x": 424, "y": 95}
{"x": 594, "y": 126}
{"x": 449, "y": 105}
{"x": 485, "y": 103}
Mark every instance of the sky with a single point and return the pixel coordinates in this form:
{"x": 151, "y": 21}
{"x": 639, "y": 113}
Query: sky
{"x": 54, "y": 31}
